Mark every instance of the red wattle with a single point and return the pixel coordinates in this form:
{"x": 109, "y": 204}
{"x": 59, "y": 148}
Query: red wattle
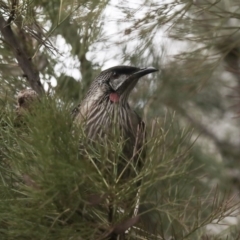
{"x": 114, "y": 97}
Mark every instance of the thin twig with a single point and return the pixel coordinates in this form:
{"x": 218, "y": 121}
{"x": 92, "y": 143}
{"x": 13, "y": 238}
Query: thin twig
{"x": 24, "y": 62}
{"x": 12, "y": 12}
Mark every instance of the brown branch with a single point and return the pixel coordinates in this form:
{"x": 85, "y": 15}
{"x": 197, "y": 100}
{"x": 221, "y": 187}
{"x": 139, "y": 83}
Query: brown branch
{"x": 232, "y": 59}
{"x": 12, "y": 13}
{"x": 226, "y": 148}
{"x": 24, "y": 62}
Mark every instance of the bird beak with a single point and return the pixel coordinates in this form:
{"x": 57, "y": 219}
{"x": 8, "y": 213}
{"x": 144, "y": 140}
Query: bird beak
{"x": 144, "y": 71}
{"x": 132, "y": 80}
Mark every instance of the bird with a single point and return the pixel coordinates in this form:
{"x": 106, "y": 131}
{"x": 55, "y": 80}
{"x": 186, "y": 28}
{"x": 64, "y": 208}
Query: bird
{"x": 105, "y": 109}
{"x": 106, "y": 106}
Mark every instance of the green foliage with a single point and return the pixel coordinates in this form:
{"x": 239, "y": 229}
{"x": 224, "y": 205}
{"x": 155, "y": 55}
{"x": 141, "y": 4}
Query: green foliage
{"x": 51, "y": 189}
{"x": 55, "y": 185}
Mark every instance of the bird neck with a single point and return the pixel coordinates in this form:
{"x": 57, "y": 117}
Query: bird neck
{"x": 114, "y": 97}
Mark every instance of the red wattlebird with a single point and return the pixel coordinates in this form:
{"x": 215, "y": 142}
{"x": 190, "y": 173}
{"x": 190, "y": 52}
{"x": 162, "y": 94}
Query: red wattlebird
{"x": 106, "y": 106}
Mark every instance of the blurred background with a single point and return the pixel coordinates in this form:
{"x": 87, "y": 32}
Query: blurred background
{"x": 195, "y": 44}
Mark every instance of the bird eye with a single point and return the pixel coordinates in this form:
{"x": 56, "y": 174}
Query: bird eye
{"x": 115, "y": 75}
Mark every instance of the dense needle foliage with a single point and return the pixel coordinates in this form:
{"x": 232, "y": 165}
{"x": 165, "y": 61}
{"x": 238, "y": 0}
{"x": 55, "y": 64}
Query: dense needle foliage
{"x": 55, "y": 185}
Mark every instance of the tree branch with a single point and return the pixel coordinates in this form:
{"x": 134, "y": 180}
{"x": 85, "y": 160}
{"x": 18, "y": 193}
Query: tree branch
{"x": 12, "y": 13}
{"x": 226, "y": 148}
{"x": 24, "y": 62}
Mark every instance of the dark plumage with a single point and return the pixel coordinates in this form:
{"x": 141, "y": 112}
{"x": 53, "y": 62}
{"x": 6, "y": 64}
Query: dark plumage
{"x": 106, "y": 107}
{"x": 106, "y": 116}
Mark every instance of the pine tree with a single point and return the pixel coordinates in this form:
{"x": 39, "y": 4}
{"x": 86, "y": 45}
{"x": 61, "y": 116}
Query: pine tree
{"x": 51, "y": 189}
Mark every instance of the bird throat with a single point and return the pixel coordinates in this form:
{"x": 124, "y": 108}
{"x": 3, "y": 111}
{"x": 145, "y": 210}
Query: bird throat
{"x": 114, "y": 97}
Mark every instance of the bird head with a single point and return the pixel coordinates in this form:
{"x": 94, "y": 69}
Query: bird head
{"x": 116, "y": 83}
